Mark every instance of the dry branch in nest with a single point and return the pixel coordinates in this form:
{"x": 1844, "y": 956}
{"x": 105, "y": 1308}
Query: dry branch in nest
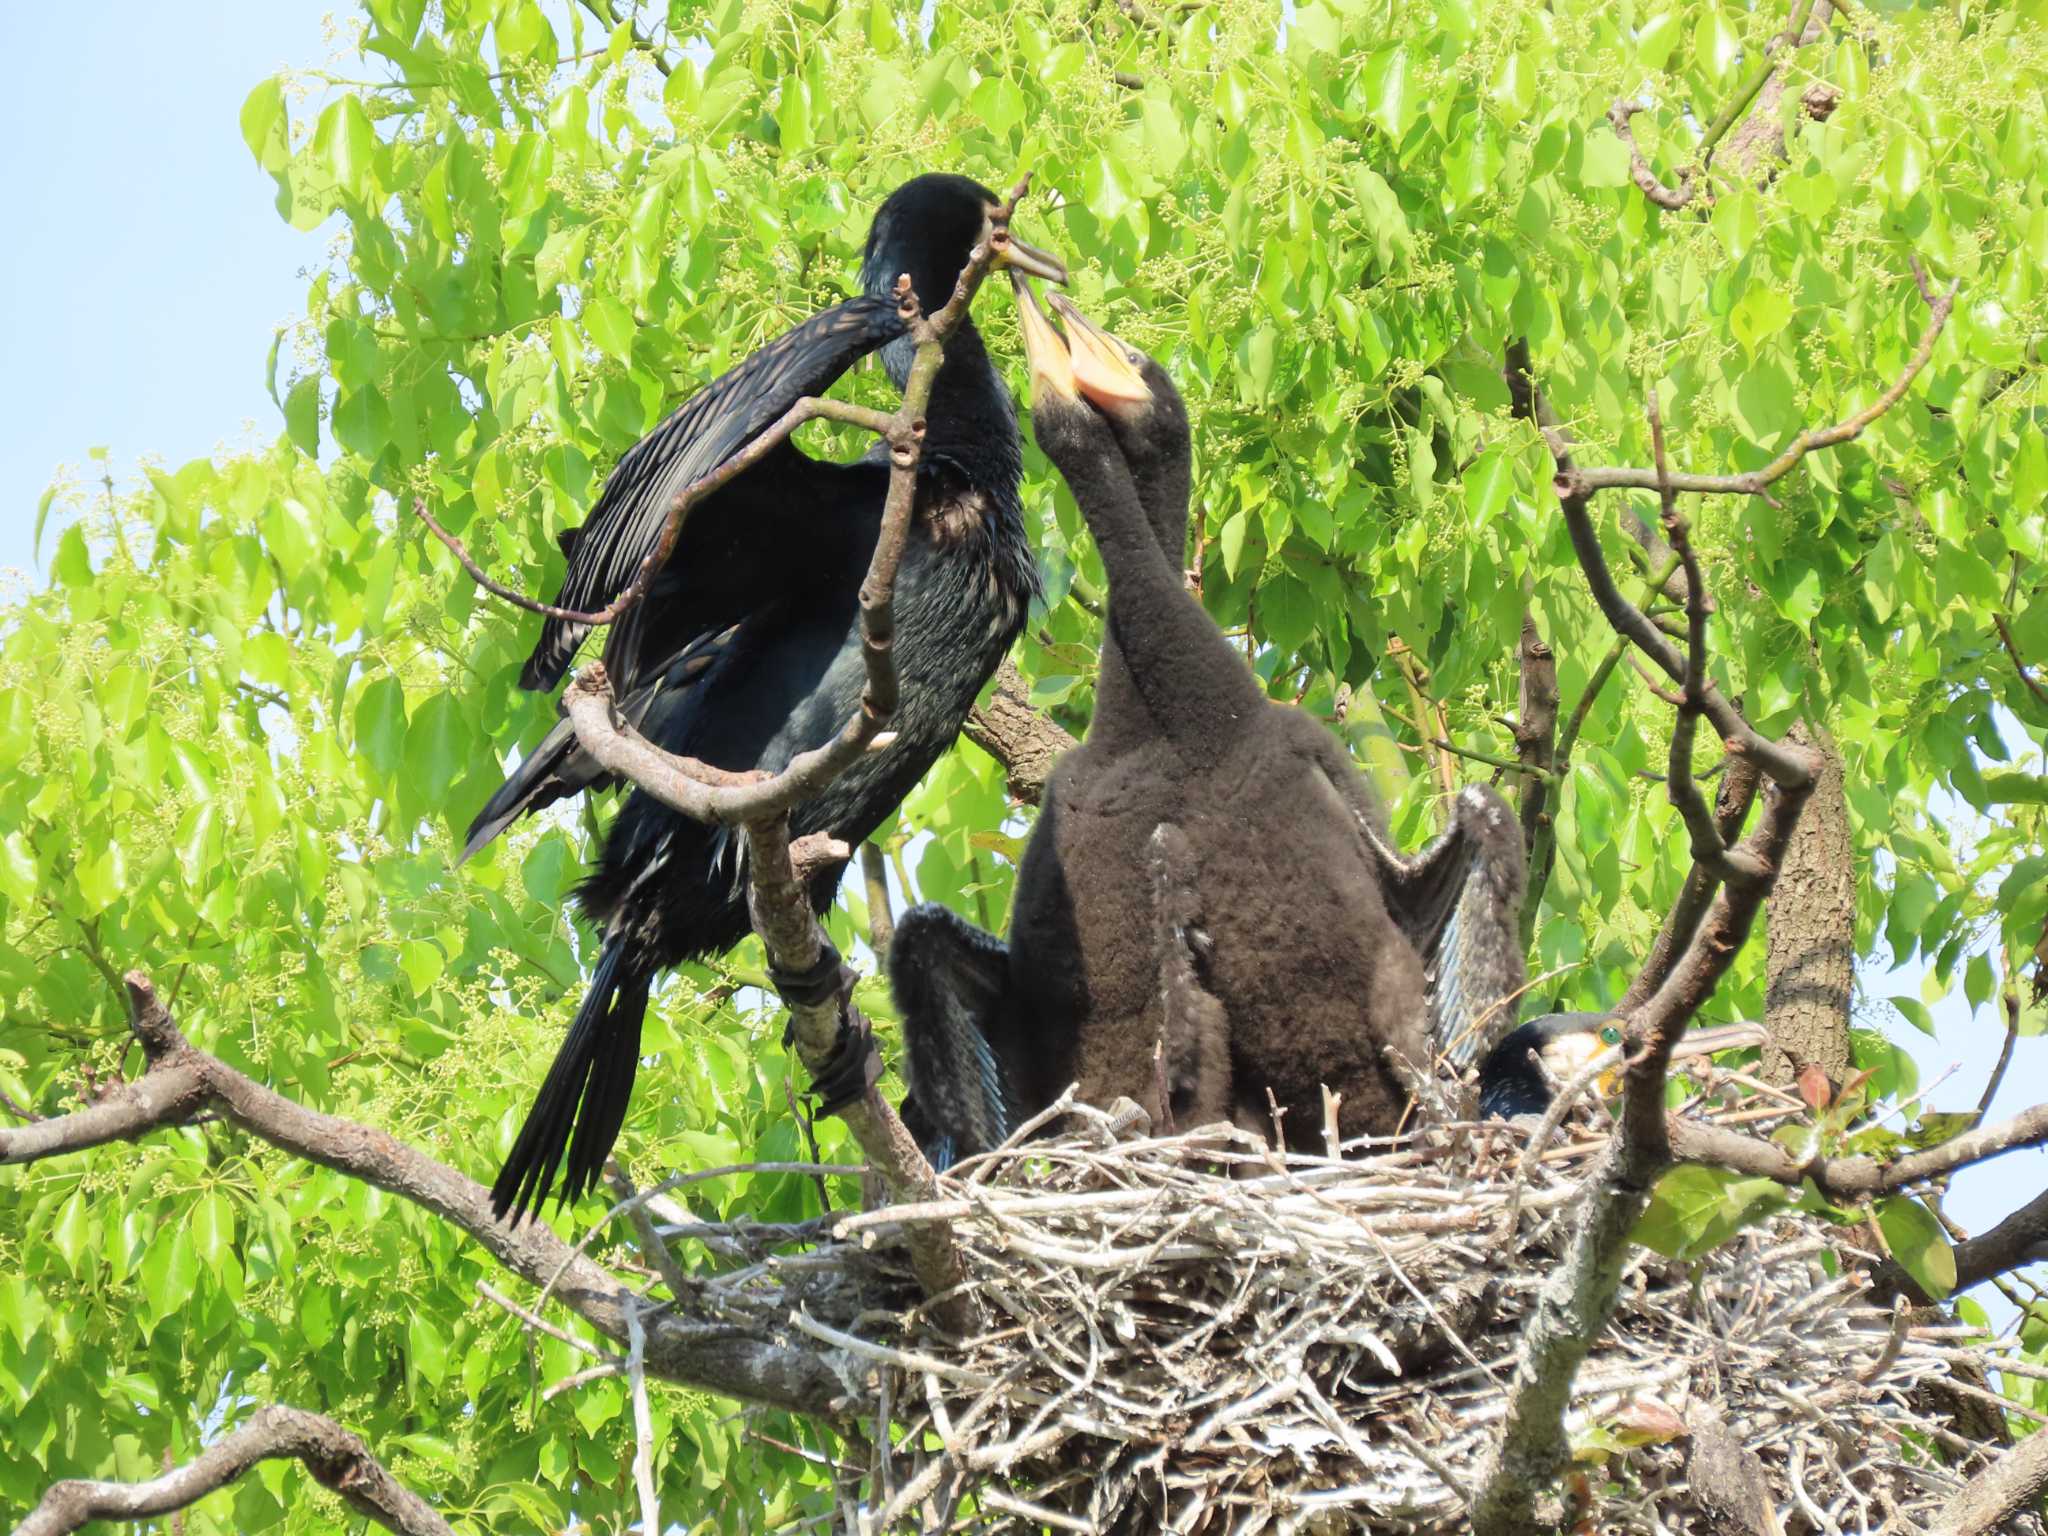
{"x": 1196, "y": 1334}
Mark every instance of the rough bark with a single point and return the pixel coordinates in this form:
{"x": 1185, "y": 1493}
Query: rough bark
{"x": 336, "y": 1458}
{"x": 1026, "y": 742}
{"x": 1810, "y": 953}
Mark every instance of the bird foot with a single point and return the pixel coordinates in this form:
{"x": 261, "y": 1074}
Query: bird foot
{"x": 855, "y": 1063}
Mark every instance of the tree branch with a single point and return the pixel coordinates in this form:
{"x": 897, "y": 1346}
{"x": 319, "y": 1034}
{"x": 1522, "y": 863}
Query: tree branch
{"x": 1026, "y": 741}
{"x": 1725, "y": 889}
{"x": 1847, "y": 1180}
{"x": 181, "y": 1081}
{"x": 1581, "y": 483}
{"x": 2015, "y": 1480}
{"x": 337, "y": 1459}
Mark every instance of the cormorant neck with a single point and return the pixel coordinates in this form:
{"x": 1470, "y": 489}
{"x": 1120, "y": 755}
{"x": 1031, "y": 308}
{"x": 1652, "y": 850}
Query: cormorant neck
{"x": 1163, "y": 480}
{"x": 1190, "y": 684}
{"x": 971, "y": 420}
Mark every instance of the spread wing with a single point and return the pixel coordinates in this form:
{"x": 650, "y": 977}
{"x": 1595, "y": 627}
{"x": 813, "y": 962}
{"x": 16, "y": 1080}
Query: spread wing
{"x": 625, "y": 526}
{"x": 948, "y": 979}
{"x": 1459, "y": 901}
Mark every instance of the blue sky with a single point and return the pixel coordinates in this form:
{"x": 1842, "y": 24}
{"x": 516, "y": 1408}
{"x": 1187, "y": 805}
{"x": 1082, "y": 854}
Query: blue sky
{"x": 146, "y": 271}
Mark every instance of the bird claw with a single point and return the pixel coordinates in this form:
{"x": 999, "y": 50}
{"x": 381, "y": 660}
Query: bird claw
{"x": 855, "y": 1064}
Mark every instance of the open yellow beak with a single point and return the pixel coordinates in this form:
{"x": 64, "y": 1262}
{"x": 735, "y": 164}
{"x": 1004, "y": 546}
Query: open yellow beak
{"x": 1052, "y": 365}
{"x": 1102, "y": 369}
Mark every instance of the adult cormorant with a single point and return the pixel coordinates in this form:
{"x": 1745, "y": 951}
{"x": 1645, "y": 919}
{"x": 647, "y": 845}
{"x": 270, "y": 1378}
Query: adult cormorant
{"x": 746, "y": 650}
{"x": 1208, "y": 863}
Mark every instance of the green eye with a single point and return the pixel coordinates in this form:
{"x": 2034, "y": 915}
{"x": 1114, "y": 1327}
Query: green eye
{"x": 1610, "y": 1035}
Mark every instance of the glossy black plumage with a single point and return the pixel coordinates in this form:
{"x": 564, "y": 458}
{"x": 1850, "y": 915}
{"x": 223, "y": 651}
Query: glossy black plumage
{"x": 746, "y": 650}
{"x": 1510, "y": 1083}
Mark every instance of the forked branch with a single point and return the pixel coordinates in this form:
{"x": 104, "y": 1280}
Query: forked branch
{"x": 337, "y": 1459}
{"x": 181, "y": 1081}
{"x": 1725, "y": 889}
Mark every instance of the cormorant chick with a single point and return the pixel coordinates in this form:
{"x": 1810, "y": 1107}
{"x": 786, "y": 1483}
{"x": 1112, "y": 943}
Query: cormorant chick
{"x": 1511, "y": 1083}
{"x": 1118, "y": 954}
{"x": 747, "y": 650}
{"x": 1317, "y": 982}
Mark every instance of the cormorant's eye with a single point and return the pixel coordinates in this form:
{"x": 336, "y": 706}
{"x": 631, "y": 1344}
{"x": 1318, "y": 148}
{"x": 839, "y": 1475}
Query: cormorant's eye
{"x": 1610, "y": 1035}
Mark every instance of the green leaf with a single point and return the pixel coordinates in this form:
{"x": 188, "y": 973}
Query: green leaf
{"x": 610, "y": 325}
{"x": 72, "y": 1230}
{"x": 1903, "y": 168}
{"x": 1918, "y": 1243}
{"x": 435, "y": 747}
{"x": 381, "y": 725}
{"x": 302, "y": 415}
{"x": 422, "y": 963}
{"x": 428, "y": 1348}
{"x": 1654, "y": 43}
{"x": 1695, "y": 1208}
{"x": 1716, "y": 46}
{"x": 346, "y": 146}
{"x": 1388, "y": 100}
{"x": 265, "y": 126}
{"x": 1231, "y": 541}
{"x": 1762, "y": 312}
{"x": 1606, "y": 162}
{"x": 169, "y": 1270}
{"x": 18, "y": 874}
{"x": 213, "y": 1230}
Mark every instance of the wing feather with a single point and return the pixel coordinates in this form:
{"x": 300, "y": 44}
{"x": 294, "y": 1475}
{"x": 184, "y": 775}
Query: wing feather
{"x": 625, "y": 526}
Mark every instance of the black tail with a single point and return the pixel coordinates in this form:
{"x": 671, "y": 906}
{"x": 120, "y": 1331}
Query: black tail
{"x": 594, "y": 1070}
{"x": 555, "y": 768}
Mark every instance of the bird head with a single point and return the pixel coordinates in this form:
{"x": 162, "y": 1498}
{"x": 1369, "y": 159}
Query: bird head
{"x": 928, "y": 227}
{"x": 1131, "y": 390}
{"x": 1567, "y": 1043}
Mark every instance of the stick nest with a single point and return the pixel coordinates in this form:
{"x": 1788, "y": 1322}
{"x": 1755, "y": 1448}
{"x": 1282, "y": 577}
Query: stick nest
{"x": 1196, "y": 1334}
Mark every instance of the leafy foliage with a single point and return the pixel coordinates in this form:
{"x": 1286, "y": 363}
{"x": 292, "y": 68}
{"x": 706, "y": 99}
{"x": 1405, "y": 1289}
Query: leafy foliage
{"x": 244, "y": 718}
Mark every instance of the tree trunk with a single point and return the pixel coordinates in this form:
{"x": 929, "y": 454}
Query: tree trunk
{"x": 1811, "y": 937}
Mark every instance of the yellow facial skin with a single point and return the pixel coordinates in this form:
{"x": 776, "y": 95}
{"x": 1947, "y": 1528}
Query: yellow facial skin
{"x": 1103, "y": 370}
{"x": 1052, "y": 366}
{"x": 1087, "y": 363}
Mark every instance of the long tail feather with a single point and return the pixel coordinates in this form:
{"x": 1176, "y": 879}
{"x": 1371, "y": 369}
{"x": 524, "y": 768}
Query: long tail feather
{"x": 584, "y": 1095}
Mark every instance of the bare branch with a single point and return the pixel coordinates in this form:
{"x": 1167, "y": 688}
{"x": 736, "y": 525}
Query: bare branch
{"x": 874, "y": 874}
{"x": 2022, "y": 1238}
{"x": 337, "y": 1459}
{"x": 1573, "y": 481}
{"x": 1024, "y": 740}
{"x": 182, "y": 1081}
{"x": 1645, "y": 179}
{"x": 2015, "y": 1480}
{"x": 1847, "y": 1180}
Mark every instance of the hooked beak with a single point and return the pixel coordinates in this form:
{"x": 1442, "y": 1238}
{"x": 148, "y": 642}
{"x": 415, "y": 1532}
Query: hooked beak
{"x": 1102, "y": 369}
{"x": 1019, "y": 257}
{"x": 1724, "y": 1037}
{"x": 1052, "y": 365}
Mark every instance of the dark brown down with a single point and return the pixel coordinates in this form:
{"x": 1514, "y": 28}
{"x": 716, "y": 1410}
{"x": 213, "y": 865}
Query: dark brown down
{"x": 1282, "y": 920}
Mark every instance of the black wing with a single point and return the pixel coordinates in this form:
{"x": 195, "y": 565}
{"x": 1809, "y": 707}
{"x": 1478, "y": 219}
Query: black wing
{"x": 948, "y": 979}
{"x": 1459, "y": 901}
{"x": 625, "y": 526}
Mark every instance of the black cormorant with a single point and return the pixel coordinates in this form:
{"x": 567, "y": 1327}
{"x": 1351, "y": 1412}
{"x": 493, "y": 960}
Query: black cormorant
{"x": 1511, "y": 1083}
{"x": 747, "y": 651}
